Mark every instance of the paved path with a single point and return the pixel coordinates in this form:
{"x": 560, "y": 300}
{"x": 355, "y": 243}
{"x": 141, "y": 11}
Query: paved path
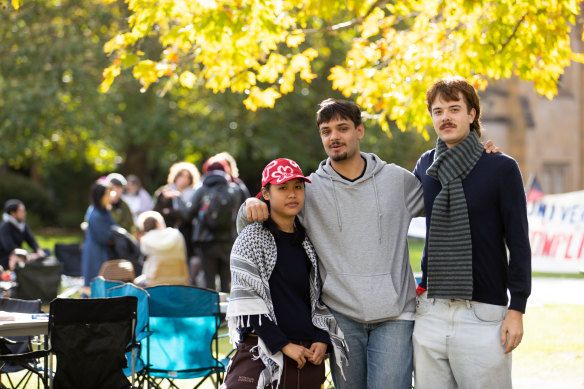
{"x": 556, "y": 291}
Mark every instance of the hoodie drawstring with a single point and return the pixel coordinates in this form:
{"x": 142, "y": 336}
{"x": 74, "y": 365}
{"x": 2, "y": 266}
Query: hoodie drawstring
{"x": 337, "y": 204}
{"x": 378, "y": 209}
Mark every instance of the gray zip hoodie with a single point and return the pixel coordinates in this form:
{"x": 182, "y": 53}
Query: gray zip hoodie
{"x": 359, "y": 230}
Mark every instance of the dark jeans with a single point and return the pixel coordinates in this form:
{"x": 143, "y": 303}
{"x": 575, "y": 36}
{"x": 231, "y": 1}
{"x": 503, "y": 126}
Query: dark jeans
{"x": 215, "y": 259}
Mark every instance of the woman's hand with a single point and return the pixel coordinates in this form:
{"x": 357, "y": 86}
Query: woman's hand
{"x": 319, "y": 350}
{"x": 297, "y": 353}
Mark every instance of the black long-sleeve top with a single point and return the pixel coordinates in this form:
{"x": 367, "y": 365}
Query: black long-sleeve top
{"x": 290, "y": 292}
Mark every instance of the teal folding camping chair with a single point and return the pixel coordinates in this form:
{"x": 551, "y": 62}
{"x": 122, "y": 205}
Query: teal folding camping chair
{"x": 136, "y": 364}
{"x": 100, "y": 285}
{"x": 184, "y": 321}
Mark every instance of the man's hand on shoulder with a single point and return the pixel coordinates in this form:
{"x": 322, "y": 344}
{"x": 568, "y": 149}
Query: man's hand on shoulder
{"x": 256, "y": 210}
{"x": 491, "y": 148}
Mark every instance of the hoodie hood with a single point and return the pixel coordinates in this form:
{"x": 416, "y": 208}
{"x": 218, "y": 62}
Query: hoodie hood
{"x": 162, "y": 241}
{"x": 215, "y": 177}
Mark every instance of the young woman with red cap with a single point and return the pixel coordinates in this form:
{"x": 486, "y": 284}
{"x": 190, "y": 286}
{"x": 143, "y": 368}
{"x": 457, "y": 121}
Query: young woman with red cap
{"x": 275, "y": 315}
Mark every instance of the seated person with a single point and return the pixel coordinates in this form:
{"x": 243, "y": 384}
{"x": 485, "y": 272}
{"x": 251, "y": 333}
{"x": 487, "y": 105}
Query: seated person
{"x": 13, "y": 232}
{"x": 165, "y": 251}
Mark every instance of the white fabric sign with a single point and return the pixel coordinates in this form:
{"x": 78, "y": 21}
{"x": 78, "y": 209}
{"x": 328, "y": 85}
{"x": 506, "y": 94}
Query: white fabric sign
{"x": 556, "y": 232}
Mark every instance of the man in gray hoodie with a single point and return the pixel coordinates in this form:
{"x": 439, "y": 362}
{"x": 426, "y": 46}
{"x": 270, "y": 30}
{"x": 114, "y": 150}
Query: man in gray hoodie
{"x": 357, "y": 212}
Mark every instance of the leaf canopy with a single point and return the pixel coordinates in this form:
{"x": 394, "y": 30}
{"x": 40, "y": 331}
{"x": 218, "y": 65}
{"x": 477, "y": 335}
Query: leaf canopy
{"x": 395, "y": 49}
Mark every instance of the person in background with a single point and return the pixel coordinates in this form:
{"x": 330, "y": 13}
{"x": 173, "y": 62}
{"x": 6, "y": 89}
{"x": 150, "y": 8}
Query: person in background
{"x": 98, "y": 233}
{"x": 119, "y": 208}
{"x": 475, "y": 214}
{"x": 212, "y": 210}
{"x": 13, "y": 233}
{"x": 275, "y": 314}
{"x": 171, "y": 198}
{"x": 231, "y": 169}
{"x": 165, "y": 251}
{"x": 137, "y": 198}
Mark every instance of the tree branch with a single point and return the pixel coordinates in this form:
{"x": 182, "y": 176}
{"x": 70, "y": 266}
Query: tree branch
{"x": 512, "y": 35}
{"x": 344, "y": 25}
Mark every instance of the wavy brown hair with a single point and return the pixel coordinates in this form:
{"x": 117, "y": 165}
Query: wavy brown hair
{"x": 450, "y": 89}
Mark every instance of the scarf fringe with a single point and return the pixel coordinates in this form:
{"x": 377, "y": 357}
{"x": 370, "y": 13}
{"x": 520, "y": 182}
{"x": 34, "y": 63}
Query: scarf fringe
{"x": 253, "y": 258}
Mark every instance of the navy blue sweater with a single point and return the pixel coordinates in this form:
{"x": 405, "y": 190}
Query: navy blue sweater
{"x": 290, "y": 291}
{"x": 498, "y": 220}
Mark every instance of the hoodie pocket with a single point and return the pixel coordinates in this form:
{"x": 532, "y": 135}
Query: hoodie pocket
{"x": 362, "y": 297}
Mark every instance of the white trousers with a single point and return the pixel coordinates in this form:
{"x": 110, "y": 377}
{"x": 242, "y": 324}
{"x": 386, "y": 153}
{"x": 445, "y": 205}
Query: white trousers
{"x": 457, "y": 344}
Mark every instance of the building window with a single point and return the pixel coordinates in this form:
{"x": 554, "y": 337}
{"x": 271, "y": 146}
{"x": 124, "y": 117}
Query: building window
{"x": 555, "y": 177}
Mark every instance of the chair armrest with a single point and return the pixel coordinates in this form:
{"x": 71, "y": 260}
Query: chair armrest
{"x": 25, "y": 356}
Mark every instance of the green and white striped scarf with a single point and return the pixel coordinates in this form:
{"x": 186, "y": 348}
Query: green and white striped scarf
{"x": 449, "y": 240}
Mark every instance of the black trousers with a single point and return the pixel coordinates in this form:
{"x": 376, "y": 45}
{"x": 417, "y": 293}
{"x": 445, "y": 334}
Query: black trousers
{"x": 215, "y": 260}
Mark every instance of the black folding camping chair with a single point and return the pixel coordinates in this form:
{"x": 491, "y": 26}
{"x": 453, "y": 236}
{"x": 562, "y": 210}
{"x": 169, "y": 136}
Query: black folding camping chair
{"x": 89, "y": 338}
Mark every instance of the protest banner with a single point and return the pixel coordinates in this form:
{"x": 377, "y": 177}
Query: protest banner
{"x": 556, "y": 232}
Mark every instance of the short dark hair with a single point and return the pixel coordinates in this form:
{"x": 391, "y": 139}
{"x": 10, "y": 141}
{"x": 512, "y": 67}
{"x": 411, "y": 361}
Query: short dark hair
{"x": 449, "y": 88}
{"x": 338, "y": 109}
{"x": 11, "y": 206}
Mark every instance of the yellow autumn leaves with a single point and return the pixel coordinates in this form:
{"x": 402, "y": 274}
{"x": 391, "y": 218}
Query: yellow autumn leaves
{"x": 260, "y": 48}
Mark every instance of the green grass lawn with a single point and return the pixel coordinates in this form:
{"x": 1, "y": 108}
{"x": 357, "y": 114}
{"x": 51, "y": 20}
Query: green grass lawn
{"x": 50, "y": 238}
{"x": 416, "y": 246}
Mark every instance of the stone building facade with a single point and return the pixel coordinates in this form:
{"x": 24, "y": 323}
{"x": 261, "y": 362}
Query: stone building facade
{"x": 546, "y": 137}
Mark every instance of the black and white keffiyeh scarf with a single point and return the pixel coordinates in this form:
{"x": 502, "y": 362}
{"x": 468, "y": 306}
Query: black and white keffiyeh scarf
{"x": 449, "y": 239}
{"x": 253, "y": 258}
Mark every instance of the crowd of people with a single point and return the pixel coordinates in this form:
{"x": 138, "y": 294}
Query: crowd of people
{"x": 319, "y": 264}
{"x": 184, "y": 231}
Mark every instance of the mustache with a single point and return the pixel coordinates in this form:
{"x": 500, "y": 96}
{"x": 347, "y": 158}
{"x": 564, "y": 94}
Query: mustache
{"x": 333, "y": 144}
{"x": 446, "y": 124}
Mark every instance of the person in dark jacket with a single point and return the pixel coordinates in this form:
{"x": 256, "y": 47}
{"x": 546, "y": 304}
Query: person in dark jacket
{"x": 230, "y": 168}
{"x": 477, "y": 251}
{"x": 99, "y": 233}
{"x": 212, "y": 210}
{"x": 14, "y": 232}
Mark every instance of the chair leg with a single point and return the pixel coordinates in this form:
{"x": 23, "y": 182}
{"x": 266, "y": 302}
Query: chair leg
{"x": 133, "y": 365}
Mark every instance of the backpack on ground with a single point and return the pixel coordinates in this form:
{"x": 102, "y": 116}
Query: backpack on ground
{"x": 218, "y": 207}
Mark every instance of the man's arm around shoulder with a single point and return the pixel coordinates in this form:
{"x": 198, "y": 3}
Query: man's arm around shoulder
{"x": 252, "y": 210}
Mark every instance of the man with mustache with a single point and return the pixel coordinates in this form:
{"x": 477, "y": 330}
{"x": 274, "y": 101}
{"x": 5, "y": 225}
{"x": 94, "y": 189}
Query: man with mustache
{"x": 475, "y": 211}
{"x": 357, "y": 212}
